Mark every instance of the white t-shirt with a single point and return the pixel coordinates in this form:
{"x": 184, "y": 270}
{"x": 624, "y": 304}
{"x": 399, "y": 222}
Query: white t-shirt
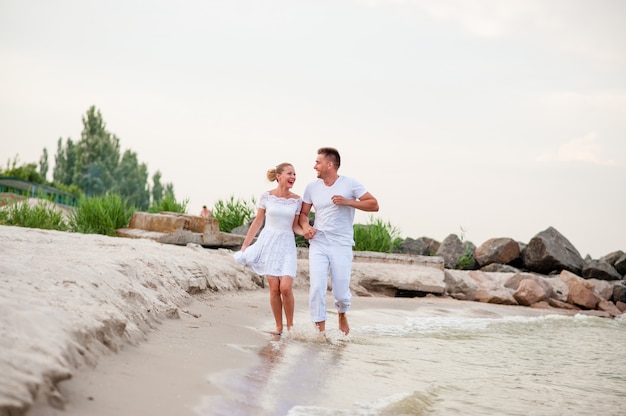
{"x": 333, "y": 222}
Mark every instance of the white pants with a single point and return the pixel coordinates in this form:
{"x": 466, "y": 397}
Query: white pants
{"x": 322, "y": 259}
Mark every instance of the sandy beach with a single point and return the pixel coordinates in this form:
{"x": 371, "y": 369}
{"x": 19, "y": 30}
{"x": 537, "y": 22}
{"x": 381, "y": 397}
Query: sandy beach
{"x": 100, "y": 325}
{"x": 168, "y": 373}
{"x": 171, "y": 372}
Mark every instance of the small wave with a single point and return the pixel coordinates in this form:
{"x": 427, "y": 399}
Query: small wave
{"x": 415, "y": 403}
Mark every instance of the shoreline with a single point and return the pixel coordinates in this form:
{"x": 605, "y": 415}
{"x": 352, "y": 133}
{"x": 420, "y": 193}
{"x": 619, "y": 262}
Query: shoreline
{"x": 171, "y": 372}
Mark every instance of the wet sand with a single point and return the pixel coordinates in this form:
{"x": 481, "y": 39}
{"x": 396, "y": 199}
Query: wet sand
{"x": 171, "y": 372}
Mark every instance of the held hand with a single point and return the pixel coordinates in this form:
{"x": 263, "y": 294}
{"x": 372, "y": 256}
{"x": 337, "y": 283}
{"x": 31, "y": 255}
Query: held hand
{"x": 309, "y": 233}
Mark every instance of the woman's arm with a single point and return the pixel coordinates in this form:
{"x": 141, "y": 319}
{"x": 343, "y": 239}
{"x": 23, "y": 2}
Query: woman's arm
{"x": 254, "y": 228}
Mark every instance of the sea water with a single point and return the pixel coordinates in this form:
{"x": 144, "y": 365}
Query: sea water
{"x": 435, "y": 361}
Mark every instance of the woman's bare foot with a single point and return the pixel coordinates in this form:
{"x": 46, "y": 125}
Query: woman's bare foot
{"x": 277, "y": 331}
{"x": 343, "y": 323}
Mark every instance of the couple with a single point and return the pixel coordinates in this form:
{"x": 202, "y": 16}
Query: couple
{"x": 334, "y": 199}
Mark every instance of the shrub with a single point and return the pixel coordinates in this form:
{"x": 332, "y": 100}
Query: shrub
{"x": 466, "y": 261}
{"x": 43, "y": 215}
{"x": 169, "y": 204}
{"x": 376, "y": 235}
{"x": 100, "y": 215}
{"x": 233, "y": 213}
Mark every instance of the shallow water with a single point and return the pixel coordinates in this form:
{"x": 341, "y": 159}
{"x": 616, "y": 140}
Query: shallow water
{"x": 435, "y": 362}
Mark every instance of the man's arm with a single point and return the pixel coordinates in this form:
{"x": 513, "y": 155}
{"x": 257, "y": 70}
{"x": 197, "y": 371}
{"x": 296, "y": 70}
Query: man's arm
{"x": 366, "y": 202}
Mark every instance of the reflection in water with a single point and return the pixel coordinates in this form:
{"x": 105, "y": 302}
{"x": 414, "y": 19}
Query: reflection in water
{"x": 291, "y": 373}
{"x": 470, "y": 363}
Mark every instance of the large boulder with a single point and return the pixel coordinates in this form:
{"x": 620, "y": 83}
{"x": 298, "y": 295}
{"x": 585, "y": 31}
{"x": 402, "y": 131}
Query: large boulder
{"x": 496, "y": 250}
{"x": 530, "y": 292}
{"x": 600, "y": 269}
{"x": 617, "y": 259}
{"x": 479, "y": 286}
{"x": 422, "y": 246}
{"x": 460, "y": 285}
{"x": 398, "y": 275}
{"x": 580, "y": 292}
{"x": 549, "y": 251}
{"x": 452, "y": 249}
{"x": 619, "y": 292}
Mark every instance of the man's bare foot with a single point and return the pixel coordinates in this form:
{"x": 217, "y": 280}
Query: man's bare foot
{"x": 321, "y": 326}
{"x": 343, "y": 323}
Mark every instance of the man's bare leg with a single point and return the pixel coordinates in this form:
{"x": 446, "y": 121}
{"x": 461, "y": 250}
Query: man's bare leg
{"x": 321, "y": 326}
{"x": 343, "y": 323}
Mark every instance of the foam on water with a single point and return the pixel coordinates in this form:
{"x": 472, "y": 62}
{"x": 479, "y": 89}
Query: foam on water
{"x": 398, "y": 362}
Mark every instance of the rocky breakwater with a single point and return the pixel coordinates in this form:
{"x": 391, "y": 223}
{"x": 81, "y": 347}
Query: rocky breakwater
{"x": 547, "y": 272}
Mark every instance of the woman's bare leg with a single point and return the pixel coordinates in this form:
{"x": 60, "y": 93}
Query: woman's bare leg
{"x": 286, "y": 291}
{"x": 276, "y": 303}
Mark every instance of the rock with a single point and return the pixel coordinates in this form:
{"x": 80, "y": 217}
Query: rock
{"x": 581, "y": 295}
{"x": 620, "y": 265}
{"x": 599, "y": 269}
{"x": 617, "y": 259}
{"x": 515, "y": 280}
{"x": 602, "y": 288}
{"x": 422, "y": 246}
{"x": 607, "y": 306}
{"x": 450, "y": 250}
{"x": 542, "y": 305}
{"x": 562, "y": 305}
{"x": 530, "y": 292}
{"x": 502, "y": 268}
{"x": 460, "y": 285}
{"x": 611, "y": 258}
{"x": 496, "y": 250}
{"x": 179, "y": 229}
{"x": 549, "y": 252}
{"x": 492, "y": 285}
{"x": 395, "y": 275}
{"x": 619, "y": 292}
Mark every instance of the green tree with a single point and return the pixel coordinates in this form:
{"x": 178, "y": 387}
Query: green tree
{"x": 64, "y": 163}
{"x": 169, "y": 191}
{"x": 27, "y": 171}
{"x": 43, "y": 164}
{"x": 131, "y": 180}
{"x": 97, "y": 156}
{"x": 157, "y": 188}
{"x": 95, "y": 166}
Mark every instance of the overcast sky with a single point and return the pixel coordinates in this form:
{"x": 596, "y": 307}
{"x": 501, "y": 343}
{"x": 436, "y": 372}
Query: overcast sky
{"x": 497, "y": 117}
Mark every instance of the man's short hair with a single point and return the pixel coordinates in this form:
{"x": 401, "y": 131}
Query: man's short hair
{"x": 331, "y": 154}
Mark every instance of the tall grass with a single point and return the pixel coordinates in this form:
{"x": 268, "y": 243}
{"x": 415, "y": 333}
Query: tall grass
{"x": 100, "y": 215}
{"x": 232, "y": 213}
{"x": 377, "y": 235}
{"x": 169, "y": 204}
{"x": 42, "y": 215}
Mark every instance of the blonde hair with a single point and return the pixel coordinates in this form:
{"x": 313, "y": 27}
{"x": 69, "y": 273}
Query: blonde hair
{"x": 271, "y": 173}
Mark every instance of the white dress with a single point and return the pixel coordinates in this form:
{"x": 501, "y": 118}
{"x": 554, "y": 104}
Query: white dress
{"x": 274, "y": 252}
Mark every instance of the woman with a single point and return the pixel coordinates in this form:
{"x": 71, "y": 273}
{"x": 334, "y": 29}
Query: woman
{"x": 274, "y": 253}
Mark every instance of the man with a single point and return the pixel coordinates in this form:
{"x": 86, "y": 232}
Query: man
{"x": 334, "y": 199}
{"x": 206, "y": 213}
